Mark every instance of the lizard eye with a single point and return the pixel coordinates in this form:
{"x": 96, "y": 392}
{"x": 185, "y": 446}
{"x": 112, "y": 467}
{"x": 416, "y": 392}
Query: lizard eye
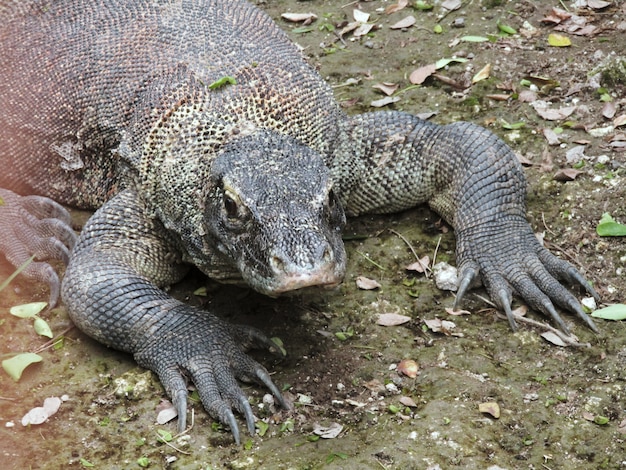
{"x": 230, "y": 205}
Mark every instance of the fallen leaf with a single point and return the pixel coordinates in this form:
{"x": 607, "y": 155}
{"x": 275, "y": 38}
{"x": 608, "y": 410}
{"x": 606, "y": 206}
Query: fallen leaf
{"x": 527, "y": 96}
{"x": 418, "y": 76}
{"x": 551, "y": 114}
{"x": 386, "y": 87}
{"x": 327, "y": 432}
{"x": 419, "y": 266}
{"x": 609, "y": 109}
{"x": 566, "y": 174}
{"x": 362, "y": 30}
{"x": 40, "y": 414}
{"x": 614, "y": 312}
{"x": 457, "y": 313}
{"x": 553, "y": 338}
{"x": 620, "y": 121}
{"x": 597, "y": 4}
{"x": 360, "y": 16}
{"x": 551, "y": 136}
{"x": 366, "y": 283}
{"x": 588, "y": 415}
{"x": 408, "y": 367}
{"x": 491, "y": 408}
{"x": 558, "y": 40}
{"x": 384, "y": 101}
{"x": 483, "y": 74}
{"x": 441, "y": 63}
{"x": 404, "y": 23}
{"x": 442, "y": 326}
{"x": 306, "y": 18}
{"x": 396, "y": 7}
{"x": 451, "y": 4}
{"x": 408, "y": 401}
{"x": 392, "y": 319}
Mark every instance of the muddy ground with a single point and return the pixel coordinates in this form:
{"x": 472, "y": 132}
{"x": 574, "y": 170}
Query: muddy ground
{"x": 560, "y": 407}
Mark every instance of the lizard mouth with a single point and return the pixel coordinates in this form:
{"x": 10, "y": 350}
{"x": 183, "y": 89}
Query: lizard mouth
{"x": 288, "y": 283}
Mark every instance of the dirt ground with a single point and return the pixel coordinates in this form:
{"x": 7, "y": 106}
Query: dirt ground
{"x": 557, "y": 407}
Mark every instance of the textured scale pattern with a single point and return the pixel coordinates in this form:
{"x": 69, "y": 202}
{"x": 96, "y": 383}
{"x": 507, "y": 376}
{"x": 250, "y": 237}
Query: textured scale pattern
{"x": 107, "y": 104}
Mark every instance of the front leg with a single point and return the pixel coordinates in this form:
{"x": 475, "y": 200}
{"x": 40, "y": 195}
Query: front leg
{"x": 111, "y": 289}
{"x": 475, "y": 182}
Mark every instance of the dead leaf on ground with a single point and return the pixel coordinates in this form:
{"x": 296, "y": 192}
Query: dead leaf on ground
{"x": 597, "y": 4}
{"x": 527, "y": 96}
{"x": 327, "y": 432}
{"x": 608, "y": 110}
{"x": 366, "y": 283}
{"x": 452, "y": 4}
{"x": 306, "y": 18}
{"x": 384, "y": 101}
{"x": 407, "y": 401}
{"x": 396, "y": 7}
{"x": 620, "y": 121}
{"x": 566, "y": 174}
{"x": 418, "y": 76}
{"x": 404, "y": 23}
{"x": 551, "y": 114}
{"x": 419, "y": 266}
{"x": 442, "y": 326}
{"x": 392, "y": 319}
{"x": 491, "y": 408}
{"x": 551, "y": 136}
{"x": 457, "y": 313}
{"x": 483, "y": 74}
{"x": 360, "y": 16}
{"x": 387, "y": 88}
{"x": 553, "y": 338}
{"x": 408, "y": 367}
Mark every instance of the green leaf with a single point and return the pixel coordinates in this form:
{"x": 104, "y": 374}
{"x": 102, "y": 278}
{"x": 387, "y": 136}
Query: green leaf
{"x": 302, "y": 30}
{"x": 438, "y": 29}
{"x": 421, "y": 5}
{"x": 608, "y": 227}
{"x": 474, "y": 39}
{"x": 42, "y": 328}
{"x": 506, "y": 29}
{"x": 143, "y": 462}
{"x": 86, "y": 463}
{"x": 601, "y": 420}
{"x": 441, "y": 63}
{"x": 16, "y": 365}
{"x": 220, "y": 82}
{"x": 28, "y": 310}
{"x": 512, "y": 126}
{"x": 164, "y": 436}
{"x": 262, "y": 427}
{"x": 279, "y": 345}
{"x": 612, "y": 312}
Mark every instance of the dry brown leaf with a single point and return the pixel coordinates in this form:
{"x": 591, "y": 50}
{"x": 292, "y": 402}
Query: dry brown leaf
{"x": 608, "y": 110}
{"x": 404, "y": 23}
{"x": 527, "y": 96}
{"x": 392, "y": 319}
{"x": 386, "y": 87}
{"x": 366, "y": 283}
{"x": 588, "y": 416}
{"x": 457, "y": 313}
{"x": 362, "y": 30}
{"x": 483, "y": 74}
{"x": 407, "y": 401}
{"x": 408, "y": 367}
{"x": 397, "y": 7}
{"x": 442, "y": 326}
{"x": 551, "y": 136}
{"x": 498, "y": 96}
{"x": 384, "y": 101}
{"x": 491, "y": 408}
{"x": 597, "y": 4}
{"x": 299, "y": 17}
{"x": 452, "y": 4}
{"x": 551, "y": 114}
{"x": 566, "y": 174}
{"x": 418, "y": 76}
{"x": 419, "y": 266}
{"x": 553, "y": 338}
{"x": 360, "y": 16}
{"x": 620, "y": 120}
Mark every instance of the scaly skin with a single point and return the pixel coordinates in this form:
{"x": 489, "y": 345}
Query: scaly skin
{"x": 106, "y": 103}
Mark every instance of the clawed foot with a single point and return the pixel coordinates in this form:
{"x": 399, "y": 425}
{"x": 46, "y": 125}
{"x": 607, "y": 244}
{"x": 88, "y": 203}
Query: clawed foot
{"x": 35, "y": 226}
{"x": 511, "y": 260}
{"x": 207, "y": 351}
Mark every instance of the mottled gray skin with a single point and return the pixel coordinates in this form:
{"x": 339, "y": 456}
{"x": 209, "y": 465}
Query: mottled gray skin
{"x": 107, "y": 103}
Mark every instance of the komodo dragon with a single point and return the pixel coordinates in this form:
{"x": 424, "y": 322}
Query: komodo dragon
{"x": 109, "y": 104}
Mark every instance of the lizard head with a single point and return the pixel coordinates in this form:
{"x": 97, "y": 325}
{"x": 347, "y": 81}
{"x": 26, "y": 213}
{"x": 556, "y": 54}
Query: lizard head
{"x": 271, "y": 211}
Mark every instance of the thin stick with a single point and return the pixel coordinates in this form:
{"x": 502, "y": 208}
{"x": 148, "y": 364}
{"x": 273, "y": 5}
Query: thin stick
{"x": 399, "y": 235}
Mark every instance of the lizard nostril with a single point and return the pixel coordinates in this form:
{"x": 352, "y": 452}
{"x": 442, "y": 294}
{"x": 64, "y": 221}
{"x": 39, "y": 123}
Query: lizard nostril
{"x": 278, "y": 265}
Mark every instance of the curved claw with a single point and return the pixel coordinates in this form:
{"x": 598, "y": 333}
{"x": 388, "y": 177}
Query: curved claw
{"x": 244, "y": 405}
{"x": 574, "y": 275}
{"x": 180, "y": 403}
{"x": 467, "y": 278}
{"x": 504, "y": 298}
{"x": 550, "y": 310}
{"x": 264, "y": 378}
{"x": 229, "y": 418}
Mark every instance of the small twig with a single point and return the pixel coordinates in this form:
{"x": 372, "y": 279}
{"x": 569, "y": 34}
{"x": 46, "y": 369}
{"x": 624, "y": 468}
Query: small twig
{"x": 50, "y": 343}
{"x": 160, "y": 438}
{"x": 545, "y": 225}
{"x": 8, "y": 399}
{"x": 371, "y": 260}
{"x": 436, "y": 250}
{"x": 399, "y": 235}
